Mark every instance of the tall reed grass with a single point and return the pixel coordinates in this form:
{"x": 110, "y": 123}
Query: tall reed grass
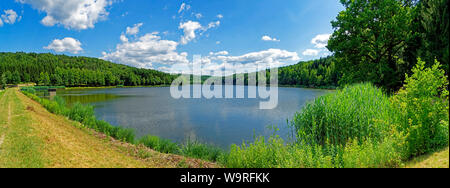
{"x": 358, "y": 112}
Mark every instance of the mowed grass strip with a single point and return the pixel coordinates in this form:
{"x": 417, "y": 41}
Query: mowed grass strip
{"x": 438, "y": 159}
{"x": 20, "y": 147}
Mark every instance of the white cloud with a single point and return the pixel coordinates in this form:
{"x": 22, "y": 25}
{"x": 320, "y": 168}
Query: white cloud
{"x": 218, "y": 53}
{"x": 184, "y": 7}
{"x": 212, "y": 25}
{"x": 1, "y": 22}
{"x": 65, "y": 45}
{"x": 311, "y": 52}
{"x": 135, "y": 29}
{"x": 220, "y": 16}
{"x": 321, "y": 41}
{"x": 189, "y": 29}
{"x": 72, "y": 14}
{"x": 220, "y": 63}
{"x": 9, "y": 17}
{"x": 267, "y": 38}
{"x": 218, "y": 42}
{"x": 146, "y": 51}
{"x": 123, "y": 38}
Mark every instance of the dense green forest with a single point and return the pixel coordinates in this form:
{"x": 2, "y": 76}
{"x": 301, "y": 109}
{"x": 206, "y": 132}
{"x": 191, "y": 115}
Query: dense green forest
{"x": 61, "y": 70}
{"x": 316, "y": 73}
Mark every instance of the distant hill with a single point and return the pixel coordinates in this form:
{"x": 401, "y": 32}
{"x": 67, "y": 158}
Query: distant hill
{"x": 50, "y": 69}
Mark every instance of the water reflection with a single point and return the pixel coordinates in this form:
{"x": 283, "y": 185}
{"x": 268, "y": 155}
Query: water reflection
{"x": 221, "y": 122}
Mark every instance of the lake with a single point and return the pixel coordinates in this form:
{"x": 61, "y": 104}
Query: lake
{"x": 220, "y": 122}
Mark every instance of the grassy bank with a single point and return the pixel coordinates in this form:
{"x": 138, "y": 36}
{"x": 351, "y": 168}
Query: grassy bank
{"x": 33, "y": 137}
{"x": 85, "y": 115}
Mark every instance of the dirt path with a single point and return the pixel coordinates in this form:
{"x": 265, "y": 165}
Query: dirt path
{"x": 64, "y": 143}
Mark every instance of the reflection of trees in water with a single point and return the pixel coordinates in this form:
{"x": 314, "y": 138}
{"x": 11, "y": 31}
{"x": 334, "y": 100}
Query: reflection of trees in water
{"x": 86, "y": 99}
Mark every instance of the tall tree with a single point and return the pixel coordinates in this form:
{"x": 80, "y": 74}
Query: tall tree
{"x": 434, "y": 16}
{"x": 369, "y": 40}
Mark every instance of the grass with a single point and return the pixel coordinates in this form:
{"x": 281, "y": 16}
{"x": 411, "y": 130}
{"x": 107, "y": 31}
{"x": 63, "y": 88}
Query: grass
{"x": 356, "y": 127}
{"x": 20, "y": 147}
{"x": 37, "y": 138}
{"x": 439, "y": 159}
{"x": 361, "y": 111}
{"x": 85, "y": 115}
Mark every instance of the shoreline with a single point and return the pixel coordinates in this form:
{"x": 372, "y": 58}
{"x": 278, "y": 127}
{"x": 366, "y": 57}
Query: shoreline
{"x": 165, "y": 86}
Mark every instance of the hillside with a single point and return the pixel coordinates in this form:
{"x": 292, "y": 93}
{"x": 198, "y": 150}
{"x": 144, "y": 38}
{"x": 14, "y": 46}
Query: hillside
{"x": 62, "y": 70}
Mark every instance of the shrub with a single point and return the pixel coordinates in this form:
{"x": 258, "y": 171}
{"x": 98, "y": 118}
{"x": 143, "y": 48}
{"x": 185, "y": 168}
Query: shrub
{"x": 274, "y": 153}
{"x": 373, "y": 154}
{"x": 423, "y": 105}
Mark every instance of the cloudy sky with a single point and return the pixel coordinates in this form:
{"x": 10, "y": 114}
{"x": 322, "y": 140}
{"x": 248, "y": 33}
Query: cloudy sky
{"x": 158, "y": 34}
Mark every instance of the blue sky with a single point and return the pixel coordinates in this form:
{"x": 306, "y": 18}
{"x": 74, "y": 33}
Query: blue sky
{"x": 166, "y": 32}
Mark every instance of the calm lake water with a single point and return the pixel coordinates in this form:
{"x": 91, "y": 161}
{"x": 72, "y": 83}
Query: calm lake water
{"x": 220, "y": 122}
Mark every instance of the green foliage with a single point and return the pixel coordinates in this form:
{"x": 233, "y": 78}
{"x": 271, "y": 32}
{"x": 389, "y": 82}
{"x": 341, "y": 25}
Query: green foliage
{"x": 274, "y": 153}
{"x": 316, "y": 73}
{"x": 360, "y": 127}
{"x": 368, "y": 41}
{"x": 61, "y": 70}
{"x": 201, "y": 151}
{"x": 31, "y": 90}
{"x": 10, "y": 78}
{"x": 159, "y": 144}
{"x": 434, "y": 21}
{"x": 423, "y": 105}
{"x": 44, "y": 79}
{"x": 359, "y": 112}
{"x": 373, "y": 154}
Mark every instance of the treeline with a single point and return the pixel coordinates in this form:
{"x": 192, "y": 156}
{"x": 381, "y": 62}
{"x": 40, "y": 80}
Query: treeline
{"x": 61, "y": 70}
{"x": 321, "y": 73}
{"x": 316, "y": 73}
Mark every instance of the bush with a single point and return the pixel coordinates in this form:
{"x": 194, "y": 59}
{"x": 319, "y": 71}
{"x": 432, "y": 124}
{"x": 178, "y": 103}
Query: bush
{"x": 356, "y": 112}
{"x": 423, "y": 105}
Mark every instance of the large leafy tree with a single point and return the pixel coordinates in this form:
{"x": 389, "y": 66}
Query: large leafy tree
{"x": 434, "y": 19}
{"x": 369, "y": 39}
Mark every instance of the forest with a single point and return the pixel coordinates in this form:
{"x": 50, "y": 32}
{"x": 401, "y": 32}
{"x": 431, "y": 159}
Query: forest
{"x": 62, "y": 70}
